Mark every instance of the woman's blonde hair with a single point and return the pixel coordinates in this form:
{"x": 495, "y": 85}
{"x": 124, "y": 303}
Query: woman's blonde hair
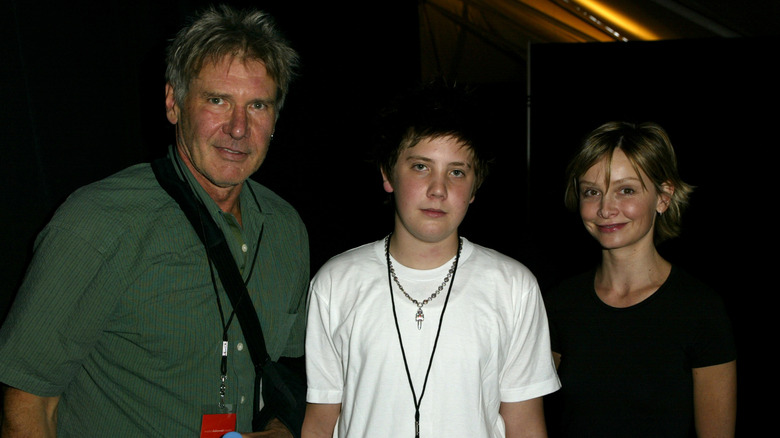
{"x": 648, "y": 148}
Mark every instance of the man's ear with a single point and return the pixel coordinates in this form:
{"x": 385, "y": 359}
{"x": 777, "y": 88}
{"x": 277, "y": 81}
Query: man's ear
{"x": 171, "y": 108}
{"x": 388, "y": 186}
{"x": 664, "y": 197}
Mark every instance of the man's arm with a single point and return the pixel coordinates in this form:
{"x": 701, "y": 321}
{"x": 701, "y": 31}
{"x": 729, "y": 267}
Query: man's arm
{"x": 715, "y": 400}
{"x": 320, "y": 420}
{"x": 524, "y": 419}
{"x": 28, "y": 415}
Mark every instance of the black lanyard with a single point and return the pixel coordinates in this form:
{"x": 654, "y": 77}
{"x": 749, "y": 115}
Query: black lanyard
{"x": 418, "y": 402}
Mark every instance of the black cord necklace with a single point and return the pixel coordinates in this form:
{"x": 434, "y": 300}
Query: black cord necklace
{"x": 418, "y": 402}
{"x": 225, "y": 325}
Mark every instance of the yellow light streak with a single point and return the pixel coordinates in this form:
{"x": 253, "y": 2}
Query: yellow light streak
{"x": 616, "y": 18}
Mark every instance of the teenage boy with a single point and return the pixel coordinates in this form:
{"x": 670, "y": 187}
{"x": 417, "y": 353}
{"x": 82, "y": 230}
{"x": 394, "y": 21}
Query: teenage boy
{"x": 424, "y": 333}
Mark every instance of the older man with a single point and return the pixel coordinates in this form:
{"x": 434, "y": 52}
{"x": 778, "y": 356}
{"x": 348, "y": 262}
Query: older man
{"x": 121, "y": 324}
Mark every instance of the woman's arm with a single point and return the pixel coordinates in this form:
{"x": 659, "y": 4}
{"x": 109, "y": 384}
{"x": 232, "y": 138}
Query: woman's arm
{"x": 715, "y": 400}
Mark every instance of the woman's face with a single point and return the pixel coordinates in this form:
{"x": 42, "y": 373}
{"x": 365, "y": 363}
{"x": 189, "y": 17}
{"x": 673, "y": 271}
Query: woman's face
{"x": 619, "y": 213}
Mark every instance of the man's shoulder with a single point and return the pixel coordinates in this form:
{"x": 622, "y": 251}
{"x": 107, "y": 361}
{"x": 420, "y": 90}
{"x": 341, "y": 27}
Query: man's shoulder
{"x": 271, "y": 202}
{"x": 132, "y": 184}
{"x": 127, "y": 197}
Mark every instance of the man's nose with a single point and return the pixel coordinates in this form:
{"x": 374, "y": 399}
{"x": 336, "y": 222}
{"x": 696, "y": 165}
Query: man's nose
{"x": 237, "y": 126}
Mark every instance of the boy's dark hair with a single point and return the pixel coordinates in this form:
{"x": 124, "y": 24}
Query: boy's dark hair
{"x": 433, "y": 110}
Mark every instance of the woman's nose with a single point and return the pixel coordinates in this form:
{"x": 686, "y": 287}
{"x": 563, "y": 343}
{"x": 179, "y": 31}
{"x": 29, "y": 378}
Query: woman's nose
{"x": 607, "y": 208}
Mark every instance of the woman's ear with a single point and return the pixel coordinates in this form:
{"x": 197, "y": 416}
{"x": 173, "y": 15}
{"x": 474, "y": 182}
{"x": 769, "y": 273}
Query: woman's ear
{"x": 664, "y": 197}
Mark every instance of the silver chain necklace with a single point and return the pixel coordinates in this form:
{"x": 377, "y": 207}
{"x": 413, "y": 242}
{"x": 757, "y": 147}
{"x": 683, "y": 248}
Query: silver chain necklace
{"x": 419, "y": 315}
{"x": 450, "y": 278}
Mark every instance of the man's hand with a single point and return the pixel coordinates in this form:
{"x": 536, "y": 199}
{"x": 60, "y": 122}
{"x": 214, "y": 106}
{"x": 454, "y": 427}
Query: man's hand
{"x": 275, "y": 429}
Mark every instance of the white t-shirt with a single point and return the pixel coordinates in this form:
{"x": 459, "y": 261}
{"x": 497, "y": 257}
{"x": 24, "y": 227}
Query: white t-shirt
{"x": 494, "y": 344}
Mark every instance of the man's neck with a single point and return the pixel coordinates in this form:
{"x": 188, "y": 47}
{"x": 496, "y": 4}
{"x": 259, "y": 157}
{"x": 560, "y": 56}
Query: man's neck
{"x": 227, "y": 198}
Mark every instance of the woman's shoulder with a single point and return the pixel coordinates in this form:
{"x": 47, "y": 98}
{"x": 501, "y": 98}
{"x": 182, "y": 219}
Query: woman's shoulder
{"x": 690, "y": 288}
{"x": 573, "y": 287}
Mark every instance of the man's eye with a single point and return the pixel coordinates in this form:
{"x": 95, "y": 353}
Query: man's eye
{"x": 215, "y": 100}
{"x": 258, "y": 105}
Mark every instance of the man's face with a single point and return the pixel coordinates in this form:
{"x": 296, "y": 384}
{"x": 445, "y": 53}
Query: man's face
{"x": 224, "y": 126}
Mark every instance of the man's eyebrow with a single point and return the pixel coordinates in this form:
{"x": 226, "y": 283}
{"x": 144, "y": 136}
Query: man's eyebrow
{"x": 208, "y": 94}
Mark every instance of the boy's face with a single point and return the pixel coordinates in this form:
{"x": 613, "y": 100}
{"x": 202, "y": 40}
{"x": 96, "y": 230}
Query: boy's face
{"x": 433, "y": 185}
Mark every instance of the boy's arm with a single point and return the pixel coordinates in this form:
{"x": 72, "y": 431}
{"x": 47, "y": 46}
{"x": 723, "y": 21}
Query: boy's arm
{"x": 320, "y": 420}
{"x": 28, "y": 415}
{"x": 524, "y": 419}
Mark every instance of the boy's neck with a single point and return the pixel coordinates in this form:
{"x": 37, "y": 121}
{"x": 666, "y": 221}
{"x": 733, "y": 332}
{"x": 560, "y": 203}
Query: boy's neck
{"x": 416, "y": 254}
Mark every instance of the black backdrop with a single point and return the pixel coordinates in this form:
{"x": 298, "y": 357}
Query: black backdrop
{"x": 83, "y": 88}
{"x": 83, "y": 98}
{"x": 716, "y": 99}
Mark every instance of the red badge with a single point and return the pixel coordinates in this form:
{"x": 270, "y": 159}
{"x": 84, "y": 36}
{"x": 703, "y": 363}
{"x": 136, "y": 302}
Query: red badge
{"x": 216, "y": 425}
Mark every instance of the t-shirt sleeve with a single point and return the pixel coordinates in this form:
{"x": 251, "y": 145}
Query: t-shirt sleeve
{"x": 714, "y": 343}
{"x": 529, "y": 371}
{"x": 57, "y": 314}
{"x": 323, "y": 362}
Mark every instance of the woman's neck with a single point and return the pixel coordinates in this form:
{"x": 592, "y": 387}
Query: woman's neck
{"x": 625, "y": 278}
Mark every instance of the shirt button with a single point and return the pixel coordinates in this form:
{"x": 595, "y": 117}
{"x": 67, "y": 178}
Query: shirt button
{"x": 243, "y": 399}
{"x": 244, "y": 248}
{"x": 240, "y": 346}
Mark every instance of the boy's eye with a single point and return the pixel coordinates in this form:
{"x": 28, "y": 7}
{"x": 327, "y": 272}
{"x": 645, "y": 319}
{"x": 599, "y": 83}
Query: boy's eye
{"x": 418, "y": 166}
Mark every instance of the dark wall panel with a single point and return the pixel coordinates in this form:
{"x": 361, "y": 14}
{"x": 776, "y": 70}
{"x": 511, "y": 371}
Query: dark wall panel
{"x": 715, "y": 98}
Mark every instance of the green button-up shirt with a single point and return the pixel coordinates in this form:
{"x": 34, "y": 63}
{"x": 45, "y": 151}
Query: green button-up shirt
{"x": 119, "y": 317}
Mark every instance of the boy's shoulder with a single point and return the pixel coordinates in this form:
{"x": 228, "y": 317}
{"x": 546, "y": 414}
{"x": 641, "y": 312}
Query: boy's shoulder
{"x": 491, "y": 260}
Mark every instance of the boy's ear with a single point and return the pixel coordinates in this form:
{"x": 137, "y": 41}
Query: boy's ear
{"x": 388, "y": 186}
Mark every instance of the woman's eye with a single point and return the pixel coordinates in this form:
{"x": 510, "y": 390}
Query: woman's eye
{"x": 587, "y": 193}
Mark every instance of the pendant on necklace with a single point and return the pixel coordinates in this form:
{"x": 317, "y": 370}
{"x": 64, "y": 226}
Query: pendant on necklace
{"x": 419, "y": 317}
